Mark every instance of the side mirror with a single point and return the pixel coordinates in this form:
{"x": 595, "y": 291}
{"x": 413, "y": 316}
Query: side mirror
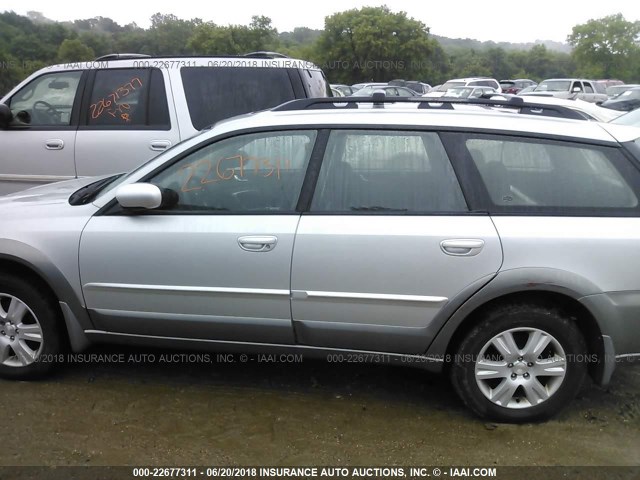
{"x": 145, "y": 196}
{"x": 5, "y": 116}
{"x": 576, "y": 90}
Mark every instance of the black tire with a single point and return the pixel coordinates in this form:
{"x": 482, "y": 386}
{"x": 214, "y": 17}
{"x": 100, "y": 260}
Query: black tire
{"x": 522, "y": 320}
{"x": 42, "y": 312}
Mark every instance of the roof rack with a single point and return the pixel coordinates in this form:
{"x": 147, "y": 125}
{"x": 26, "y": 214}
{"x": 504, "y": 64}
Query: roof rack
{"x": 121, "y": 56}
{"x": 264, "y": 54}
{"x": 379, "y": 99}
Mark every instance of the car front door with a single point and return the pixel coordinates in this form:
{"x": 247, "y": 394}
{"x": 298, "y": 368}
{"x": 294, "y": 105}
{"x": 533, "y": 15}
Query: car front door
{"x": 217, "y": 265}
{"x": 38, "y": 146}
{"x": 387, "y": 243}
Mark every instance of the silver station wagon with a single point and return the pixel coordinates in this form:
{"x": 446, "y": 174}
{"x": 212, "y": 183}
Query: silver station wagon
{"x": 498, "y": 247}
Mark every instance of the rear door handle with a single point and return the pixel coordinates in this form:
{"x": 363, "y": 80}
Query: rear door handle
{"x": 462, "y": 247}
{"x": 258, "y": 243}
{"x": 159, "y": 145}
{"x": 54, "y": 144}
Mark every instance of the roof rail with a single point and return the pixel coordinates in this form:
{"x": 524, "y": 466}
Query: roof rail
{"x": 121, "y": 56}
{"x": 379, "y": 99}
{"x": 264, "y": 54}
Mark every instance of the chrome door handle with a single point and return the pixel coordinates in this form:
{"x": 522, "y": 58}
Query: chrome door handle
{"x": 462, "y": 247}
{"x": 54, "y": 144}
{"x": 258, "y": 244}
{"x": 159, "y": 145}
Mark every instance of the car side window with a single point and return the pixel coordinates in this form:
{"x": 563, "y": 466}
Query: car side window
{"x": 128, "y": 98}
{"x": 47, "y": 100}
{"x": 378, "y": 171}
{"x": 588, "y": 88}
{"x": 527, "y": 173}
{"x": 253, "y": 173}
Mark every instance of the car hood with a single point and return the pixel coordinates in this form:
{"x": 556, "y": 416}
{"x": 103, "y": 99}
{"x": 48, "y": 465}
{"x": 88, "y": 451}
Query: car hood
{"x": 49, "y": 194}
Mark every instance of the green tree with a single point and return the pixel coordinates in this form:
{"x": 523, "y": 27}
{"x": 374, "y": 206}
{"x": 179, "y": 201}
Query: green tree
{"x": 74, "y": 51}
{"x": 374, "y": 44}
{"x": 211, "y": 39}
{"x": 169, "y": 34}
{"x": 605, "y": 47}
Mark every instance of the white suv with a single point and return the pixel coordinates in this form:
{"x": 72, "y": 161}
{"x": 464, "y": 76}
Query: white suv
{"x": 464, "y": 82}
{"x": 499, "y": 248}
{"x": 112, "y": 114}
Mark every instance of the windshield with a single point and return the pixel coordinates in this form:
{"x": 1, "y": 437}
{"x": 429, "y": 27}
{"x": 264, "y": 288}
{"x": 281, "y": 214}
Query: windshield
{"x": 631, "y": 118}
{"x": 458, "y": 92}
{"x": 446, "y": 86}
{"x": 554, "y": 86}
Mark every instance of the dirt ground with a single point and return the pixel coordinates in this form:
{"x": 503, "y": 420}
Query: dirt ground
{"x": 284, "y": 414}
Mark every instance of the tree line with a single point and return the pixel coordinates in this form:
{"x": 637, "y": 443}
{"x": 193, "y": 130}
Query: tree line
{"x": 367, "y": 44}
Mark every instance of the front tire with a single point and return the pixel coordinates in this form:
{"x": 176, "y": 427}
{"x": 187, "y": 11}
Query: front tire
{"x": 520, "y": 363}
{"x": 30, "y": 334}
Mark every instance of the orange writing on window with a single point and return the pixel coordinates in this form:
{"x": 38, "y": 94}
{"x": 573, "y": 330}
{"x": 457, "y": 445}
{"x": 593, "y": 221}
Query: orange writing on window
{"x": 205, "y": 171}
{"x": 109, "y": 104}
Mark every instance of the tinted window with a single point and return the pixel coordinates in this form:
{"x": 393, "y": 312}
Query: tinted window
{"x": 128, "y": 98}
{"x": 48, "y": 99}
{"x": 527, "y": 173}
{"x": 588, "y": 88}
{"x": 370, "y": 171}
{"x": 215, "y": 93}
{"x": 257, "y": 173}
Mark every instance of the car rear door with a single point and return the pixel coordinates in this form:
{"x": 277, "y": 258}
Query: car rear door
{"x": 387, "y": 244}
{"x": 127, "y": 118}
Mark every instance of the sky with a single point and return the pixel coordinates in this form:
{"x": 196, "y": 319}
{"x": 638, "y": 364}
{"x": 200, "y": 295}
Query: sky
{"x": 511, "y": 21}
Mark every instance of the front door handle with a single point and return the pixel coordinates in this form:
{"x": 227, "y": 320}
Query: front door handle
{"x": 54, "y": 144}
{"x": 258, "y": 243}
{"x": 462, "y": 247}
{"x": 159, "y": 145}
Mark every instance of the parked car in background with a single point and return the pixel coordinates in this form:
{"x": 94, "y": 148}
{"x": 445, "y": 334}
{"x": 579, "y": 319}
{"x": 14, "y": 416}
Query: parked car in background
{"x": 626, "y": 101}
{"x": 465, "y": 82}
{"x": 388, "y": 90}
{"x": 616, "y": 90}
{"x": 526, "y": 90}
{"x": 630, "y": 118}
{"x": 501, "y": 250}
{"x": 357, "y": 86}
{"x": 583, "y": 89}
{"x": 606, "y": 83}
{"x": 466, "y": 92}
{"x": 336, "y": 93}
{"x": 344, "y": 89}
{"x": 419, "y": 87}
{"x": 514, "y": 86}
{"x": 110, "y": 115}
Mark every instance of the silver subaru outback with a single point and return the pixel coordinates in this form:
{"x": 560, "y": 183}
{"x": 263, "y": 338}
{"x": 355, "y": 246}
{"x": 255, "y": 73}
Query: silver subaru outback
{"x": 499, "y": 248}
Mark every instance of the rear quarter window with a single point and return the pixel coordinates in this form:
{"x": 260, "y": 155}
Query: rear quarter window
{"x": 560, "y": 177}
{"x": 216, "y": 93}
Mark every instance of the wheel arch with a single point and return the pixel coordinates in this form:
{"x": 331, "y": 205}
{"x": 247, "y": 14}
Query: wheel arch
{"x": 25, "y": 261}
{"x": 544, "y": 287}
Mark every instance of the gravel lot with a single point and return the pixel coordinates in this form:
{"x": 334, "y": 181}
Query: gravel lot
{"x": 159, "y": 413}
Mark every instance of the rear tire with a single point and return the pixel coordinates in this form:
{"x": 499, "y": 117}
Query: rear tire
{"x": 31, "y": 337}
{"x": 520, "y": 363}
